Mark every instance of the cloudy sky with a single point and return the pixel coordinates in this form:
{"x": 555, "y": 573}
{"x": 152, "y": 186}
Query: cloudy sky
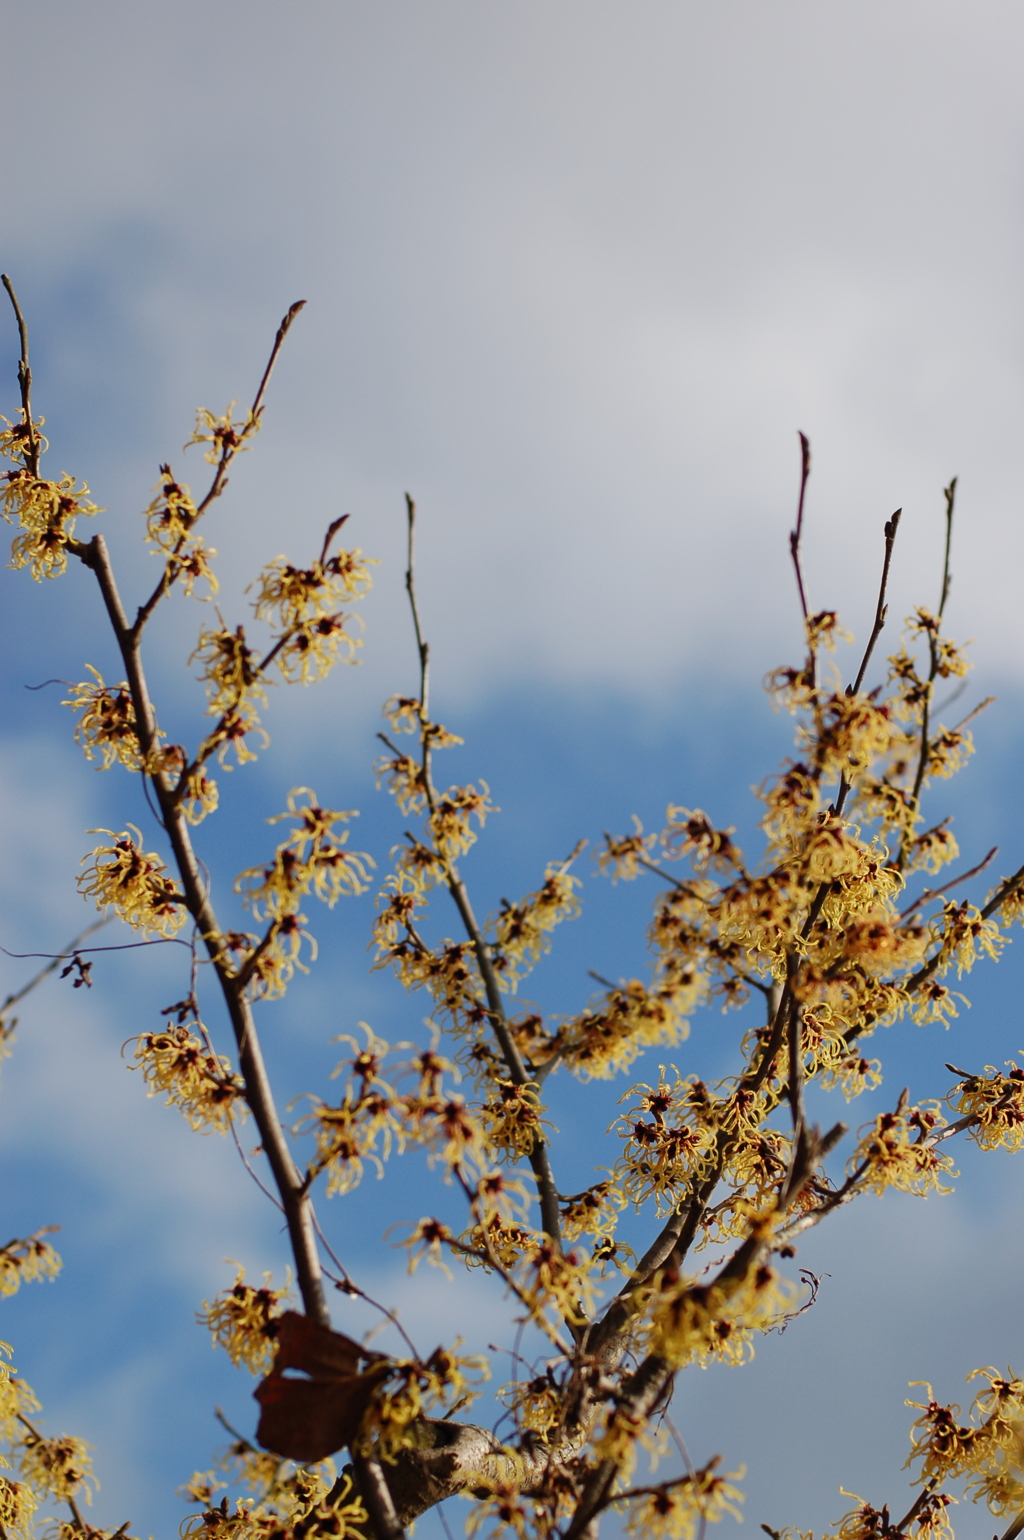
{"x": 576, "y": 274}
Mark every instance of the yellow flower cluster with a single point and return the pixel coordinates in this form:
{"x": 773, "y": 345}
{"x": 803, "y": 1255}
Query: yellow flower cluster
{"x": 301, "y": 604}
{"x": 988, "y": 1449}
{"x": 234, "y": 688}
{"x": 241, "y": 1321}
{"x": 930, "y": 1522}
{"x": 450, "y": 815}
{"x": 310, "y": 860}
{"x": 107, "y": 722}
{"x": 705, "y": 1322}
{"x": 602, "y": 1041}
{"x": 27, "y": 1261}
{"x": 511, "y": 1121}
{"x": 670, "y": 1148}
{"x": 594, "y": 1213}
{"x": 896, "y": 1150}
{"x": 289, "y": 1515}
{"x": 134, "y": 883}
{"x": 996, "y": 1103}
{"x": 624, "y": 856}
{"x": 413, "y": 1391}
{"x": 182, "y": 1067}
{"x": 17, "y": 1399}
{"x": 58, "y": 1467}
{"x": 374, "y": 1119}
{"x": 677, "y": 1509}
{"x": 45, "y": 511}
{"x": 18, "y": 1504}
{"x": 170, "y": 518}
{"x": 522, "y": 932}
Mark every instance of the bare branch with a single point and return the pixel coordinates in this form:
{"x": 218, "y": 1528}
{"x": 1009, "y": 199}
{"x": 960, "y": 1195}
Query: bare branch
{"x": 24, "y": 379}
{"x": 794, "y": 539}
{"x": 930, "y": 893}
{"x": 881, "y": 608}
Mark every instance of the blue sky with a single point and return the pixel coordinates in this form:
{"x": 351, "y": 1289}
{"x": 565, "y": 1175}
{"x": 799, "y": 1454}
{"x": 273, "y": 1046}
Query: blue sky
{"x": 575, "y": 274}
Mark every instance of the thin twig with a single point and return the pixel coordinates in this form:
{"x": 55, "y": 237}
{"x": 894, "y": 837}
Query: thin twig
{"x": 979, "y": 708}
{"x": 881, "y": 609}
{"x": 69, "y": 951}
{"x": 915, "y": 1507}
{"x": 933, "y": 652}
{"x": 85, "y": 951}
{"x": 348, "y": 1287}
{"x": 930, "y": 893}
{"x": 794, "y": 539}
{"x": 540, "y": 1162}
{"x": 794, "y": 1047}
{"x": 24, "y": 379}
{"x": 246, "y": 1163}
{"x": 219, "y": 482}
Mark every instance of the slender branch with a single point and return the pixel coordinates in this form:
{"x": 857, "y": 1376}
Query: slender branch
{"x": 949, "y": 493}
{"x": 347, "y": 1286}
{"x": 24, "y": 379}
{"x": 69, "y": 951}
{"x": 796, "y": 1069}
{"x": 282, "y": 332}
{"x": 227, "y": 454}
{"x": 794, "y": 539}
{"x": 1003, "y": 892}
{"x": 915, "y": 1507}
{"x": 540, "y": 1162}
{"x": 651, "y": 866}
{"x": 881, "y": 609}
{"x": 930, "y": 893}
{"x": 422, "y": 647}
{"x": 258, "y": 1092}
{"x": 979, "y": 708}
{"x": 933, "y": 651}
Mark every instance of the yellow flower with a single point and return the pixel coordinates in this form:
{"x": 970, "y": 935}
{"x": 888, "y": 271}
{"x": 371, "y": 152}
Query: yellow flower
{"x": 996, "y": 1102}
{"x": 18, "y": 1504}
{"x": 107, "y": 721}
{"x": 232, "y": 677}
{"x": 60, "y": 1467}
{"x": 17, "y": 438}
{"x": 26, "y": 1261}
{"x": 133, "y": 882}
{"x": 181, "y": 1066}
{"x": 512, "y": 1121}
{"x": 310, "y": 860}
{"x": 676, "y": 1509}
{"x": 241, "y": 1321}
{"x": 621, "y": 857}
{"x": 522, "y": 932}
{"x": 224, "y": 435}
{"x": 449, "y": 821}
{"x": 46, "y": 512}
{"x": 896, "y": 1151}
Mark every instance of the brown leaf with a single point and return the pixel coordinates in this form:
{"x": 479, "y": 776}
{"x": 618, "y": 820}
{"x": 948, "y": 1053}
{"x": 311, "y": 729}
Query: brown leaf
{"x": 309, "y": 1419}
